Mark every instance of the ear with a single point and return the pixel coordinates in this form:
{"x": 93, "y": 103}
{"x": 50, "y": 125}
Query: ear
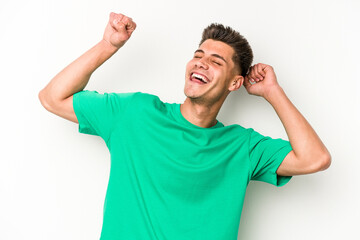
{"x": 236, "y": 83}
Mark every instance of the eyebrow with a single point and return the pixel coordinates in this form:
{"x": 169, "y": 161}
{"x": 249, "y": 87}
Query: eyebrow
{"x": 214, "y": 54}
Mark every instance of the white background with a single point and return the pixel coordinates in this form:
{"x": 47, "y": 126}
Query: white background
{"x": 53, "y": 179}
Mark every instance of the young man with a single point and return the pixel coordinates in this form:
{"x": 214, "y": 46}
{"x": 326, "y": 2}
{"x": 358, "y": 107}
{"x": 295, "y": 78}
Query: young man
{"x": 176, "y": 172}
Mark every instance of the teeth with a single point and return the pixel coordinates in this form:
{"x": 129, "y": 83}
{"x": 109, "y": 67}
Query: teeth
{"x": 194, "y": 75}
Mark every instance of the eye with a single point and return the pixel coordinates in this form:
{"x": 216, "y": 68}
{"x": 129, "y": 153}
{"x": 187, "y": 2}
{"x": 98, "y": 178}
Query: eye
{"x": 217, "y": 63}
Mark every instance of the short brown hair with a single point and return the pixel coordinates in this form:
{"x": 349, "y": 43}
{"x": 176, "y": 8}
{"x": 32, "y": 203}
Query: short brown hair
{"x": 243, "y": 56}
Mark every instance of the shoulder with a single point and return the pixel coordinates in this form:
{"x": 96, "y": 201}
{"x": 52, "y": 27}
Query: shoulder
{"x": 237, "y": 133}
{"x": 147, "y": 100}
{"x": 133, "y": 99}
{"x": 116, "y": 96}
{"x": 250, "y": 133}
{"x": 92, "y": 94}
{"x": 238, "y": 129}
{"x": 140, "y": 96}
{"x": 248, "y": 136}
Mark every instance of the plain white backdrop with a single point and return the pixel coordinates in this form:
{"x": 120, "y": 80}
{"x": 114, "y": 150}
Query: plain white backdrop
{"x": 53, "y": 179}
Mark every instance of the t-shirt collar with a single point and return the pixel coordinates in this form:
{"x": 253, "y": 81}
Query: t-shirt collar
{"x": 183, "y": 120}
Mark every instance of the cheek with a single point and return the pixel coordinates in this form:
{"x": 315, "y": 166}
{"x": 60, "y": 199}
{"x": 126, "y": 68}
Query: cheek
{"x": 221, "y": 75}
{"x": 190, "y": 64}
{"x": 188, "y": 67}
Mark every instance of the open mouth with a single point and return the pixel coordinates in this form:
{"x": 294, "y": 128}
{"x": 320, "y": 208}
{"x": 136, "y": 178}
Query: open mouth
{"x": 199, "y": 78}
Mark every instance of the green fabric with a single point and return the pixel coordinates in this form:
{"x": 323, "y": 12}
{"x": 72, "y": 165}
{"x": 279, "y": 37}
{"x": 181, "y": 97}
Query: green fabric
{"x": 170, "y": 179}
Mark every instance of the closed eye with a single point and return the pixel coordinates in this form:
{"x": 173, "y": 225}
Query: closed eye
{"x": 213, "y": 55}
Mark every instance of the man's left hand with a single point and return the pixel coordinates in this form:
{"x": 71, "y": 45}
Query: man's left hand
{"x": 261, "y": 80}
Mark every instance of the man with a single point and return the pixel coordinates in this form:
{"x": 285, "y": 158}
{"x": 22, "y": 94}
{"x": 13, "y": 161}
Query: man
{"x": 176, "y": 172}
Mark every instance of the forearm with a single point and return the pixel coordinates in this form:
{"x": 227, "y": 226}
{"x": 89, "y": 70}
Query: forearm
{"x": 75, "y": 76}
{"x": 306, "y": 144}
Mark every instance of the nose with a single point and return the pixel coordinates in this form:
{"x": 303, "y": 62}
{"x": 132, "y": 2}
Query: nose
{"x": 201, "y": 63}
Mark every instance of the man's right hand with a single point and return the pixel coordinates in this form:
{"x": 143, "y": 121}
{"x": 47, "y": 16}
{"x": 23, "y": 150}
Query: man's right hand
{"x": 118, "y": 30}
{"x": 57, "y": 96}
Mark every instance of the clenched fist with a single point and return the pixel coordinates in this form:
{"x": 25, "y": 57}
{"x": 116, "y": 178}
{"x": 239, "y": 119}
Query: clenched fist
{"x": 261, "y": 80}
{"x": 118, "y": 30}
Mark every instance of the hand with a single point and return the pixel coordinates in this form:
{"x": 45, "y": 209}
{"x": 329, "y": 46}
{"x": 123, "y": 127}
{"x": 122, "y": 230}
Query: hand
{"x": 118, "y": 30}
{"x": 261, "y": 80}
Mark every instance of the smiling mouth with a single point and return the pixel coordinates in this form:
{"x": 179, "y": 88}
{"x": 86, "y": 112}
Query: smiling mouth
{"x": 195, "y": 77}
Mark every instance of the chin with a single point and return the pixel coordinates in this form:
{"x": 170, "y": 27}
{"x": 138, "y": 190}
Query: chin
{"x": 195, "y": 98}
{"x": 191, "y": 93}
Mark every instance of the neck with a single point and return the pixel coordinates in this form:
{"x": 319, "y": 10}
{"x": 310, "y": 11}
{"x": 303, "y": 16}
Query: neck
{"x": 199, "y": 114}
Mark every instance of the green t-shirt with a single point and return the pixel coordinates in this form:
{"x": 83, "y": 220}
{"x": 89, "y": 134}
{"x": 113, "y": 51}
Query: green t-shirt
{"x": 170, "y": 179}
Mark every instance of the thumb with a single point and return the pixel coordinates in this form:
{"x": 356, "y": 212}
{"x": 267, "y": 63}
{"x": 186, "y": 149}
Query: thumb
{"x": 247, "y": 84}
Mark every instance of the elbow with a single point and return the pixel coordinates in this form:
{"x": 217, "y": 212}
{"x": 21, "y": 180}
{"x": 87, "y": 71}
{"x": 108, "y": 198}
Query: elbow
{"x": 317, "y": 163}
{"x": 44, "y": 100}
{"x": 325, "y": 161}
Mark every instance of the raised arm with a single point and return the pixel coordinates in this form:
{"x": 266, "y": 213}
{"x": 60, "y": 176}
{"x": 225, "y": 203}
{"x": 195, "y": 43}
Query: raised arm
{"x": 309, "y": 154}
{"x": 57, "y": 96}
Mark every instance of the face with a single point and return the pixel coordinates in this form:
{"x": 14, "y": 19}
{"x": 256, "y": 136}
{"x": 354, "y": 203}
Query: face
{"x": 210, "y": 74}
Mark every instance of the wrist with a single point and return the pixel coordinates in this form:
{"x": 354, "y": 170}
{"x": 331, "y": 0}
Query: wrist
{"x": 108, "y": 47}
{"x": 273, "y": 93}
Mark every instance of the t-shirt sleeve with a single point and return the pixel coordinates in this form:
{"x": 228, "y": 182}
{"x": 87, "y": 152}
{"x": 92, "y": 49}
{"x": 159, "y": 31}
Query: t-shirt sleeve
{"x": 97, "y": 113}
{"x": 266, "y": 155}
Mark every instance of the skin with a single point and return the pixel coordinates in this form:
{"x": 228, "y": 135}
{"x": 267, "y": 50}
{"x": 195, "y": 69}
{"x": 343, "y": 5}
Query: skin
{"x": 203, "y": 102}
{"x": 309, "y": 154}
{"x": 57, "y": 96}
{"x": 213, "y": 60}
